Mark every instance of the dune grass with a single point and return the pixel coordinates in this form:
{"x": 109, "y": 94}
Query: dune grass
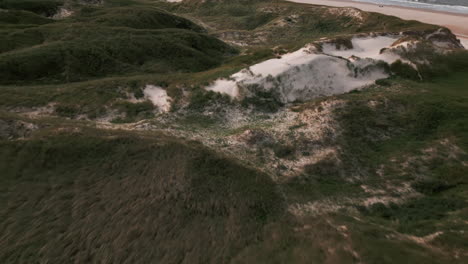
{"x": 102, "y": 41}
{"x": 41, "y": 7}
{"x": 72, "y": 192}
{"x": 144, "y": 41}
{"x": 59, "y": 184}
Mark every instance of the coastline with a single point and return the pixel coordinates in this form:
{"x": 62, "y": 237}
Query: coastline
{"x": 456, "y": 22}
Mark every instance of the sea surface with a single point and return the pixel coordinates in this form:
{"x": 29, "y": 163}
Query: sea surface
{"x": 454, "y": 6}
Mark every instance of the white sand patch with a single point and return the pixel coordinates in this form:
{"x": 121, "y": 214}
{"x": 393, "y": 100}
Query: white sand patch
{"x": 256, "y": 73}
{"x": 366, "y": 48}
{"x": 62, "y": 13}
{"x": 307, "y": 73}
{"x": 456, "y": 22}
{"x": 224, "y": 86}
{"x": 315, "y": 208}
{"x": 275, "y": 67}
{"x": 346, "y": 11}
{"x": 158, "y": 97}
{"x": 47, "y": 110}
{"x": 463, "y": 41}
{"x": 407, "y": 45}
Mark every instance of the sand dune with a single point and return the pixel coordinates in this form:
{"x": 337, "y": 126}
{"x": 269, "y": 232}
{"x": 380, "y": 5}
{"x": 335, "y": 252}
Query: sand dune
{"x": 458, "y": 23}
{"x": 308, "y": 73}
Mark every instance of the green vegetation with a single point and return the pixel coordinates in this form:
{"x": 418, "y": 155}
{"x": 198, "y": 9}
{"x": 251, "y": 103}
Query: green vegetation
{"x": 419, "y": 115}
{"x": 201, "y": 99}
{"x": 146, "y": 193}
{"x": 41, "y": 7}
{"x": 381, "y": 179}
{"x": 409, "y": 118}
{"x": 404, "y": 70}
{"x": 263, "y": 101}
{"x": 134, "y": 111}
{"x": 282, "y": 23}
{"x": 415, "y": 216}
{"x": 138, "y": 17}
{"x": 140, "y": 41}
{"x": 21, "y": 17}
{"x": 99, "y": 52}
{"x": 102, "y": 41}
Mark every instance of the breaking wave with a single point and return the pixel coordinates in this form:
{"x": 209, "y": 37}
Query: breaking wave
{"x": 453, "y": 6}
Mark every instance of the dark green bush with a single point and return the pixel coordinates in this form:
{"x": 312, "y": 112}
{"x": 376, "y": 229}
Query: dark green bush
{"x": 283, "y": 151}
{"x": 428, "y": 117}
{"x": 134, "y": 111}
{"x": 415, "y": 216}
{"x": 442, "y": 65}
{"x": 263, "y": 101}
{"x": 404, "y": 70}
{"x": 22, "y": 17}
{"x": 430, "y": 187}
{"x": 42, "y": 7}
{"x": 326, "y": 170}
{"x": 67, "y": 110}
{"x": 199, "y": 99}
{"x": 383, "y": 82}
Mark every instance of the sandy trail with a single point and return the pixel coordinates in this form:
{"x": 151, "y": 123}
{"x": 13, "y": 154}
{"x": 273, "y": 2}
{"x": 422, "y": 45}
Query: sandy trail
{"x": 458, "y": 23}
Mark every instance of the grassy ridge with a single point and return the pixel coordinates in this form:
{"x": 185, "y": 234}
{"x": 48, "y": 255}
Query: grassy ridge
{"x": 138, "y": 17}
{"x": 416, "y": 119}
{"x": 41, "y": 7}
{"x": 140, "y": 43}
{"x": 104, "y": 52}
{"x": 406, "y": 134}
{"x": 86, "y": 194}
{"x": 21, "y": 17}
{"x": 79, "y": 180}
{"x": 271, "y": 23}
{"x": 106, "y": 41}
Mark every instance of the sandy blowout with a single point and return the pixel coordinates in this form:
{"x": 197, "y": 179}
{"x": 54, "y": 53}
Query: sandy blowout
{"x": 309, "y": 73}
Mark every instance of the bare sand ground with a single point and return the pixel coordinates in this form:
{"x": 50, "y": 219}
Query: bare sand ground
{"x": 458, "y": 23}
{"x": 464, "y": 40}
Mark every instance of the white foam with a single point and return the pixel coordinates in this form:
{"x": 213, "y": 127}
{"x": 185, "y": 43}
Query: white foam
{"x": 432, "y": 5}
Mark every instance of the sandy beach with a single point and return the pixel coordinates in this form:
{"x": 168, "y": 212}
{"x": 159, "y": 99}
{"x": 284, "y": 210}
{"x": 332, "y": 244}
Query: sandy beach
{"x": 458, "y": 23}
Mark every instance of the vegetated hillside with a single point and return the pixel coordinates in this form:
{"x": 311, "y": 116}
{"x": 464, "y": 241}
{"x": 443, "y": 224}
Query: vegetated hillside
{"x": 271, "y": 23}
{"x": 93, "y": 171}
{"x": 394, "y": 191}
{"x": 41, "y": 7}
{"x": 106, "y": 51}
{"x": 84, "y": 195}
{"x": 102, "y": 41}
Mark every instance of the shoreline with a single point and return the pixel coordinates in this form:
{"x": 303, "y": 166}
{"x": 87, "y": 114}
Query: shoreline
{"x": 456, "y": 22}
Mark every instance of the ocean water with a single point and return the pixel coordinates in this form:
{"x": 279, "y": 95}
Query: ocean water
{"x": 454, "y": 6}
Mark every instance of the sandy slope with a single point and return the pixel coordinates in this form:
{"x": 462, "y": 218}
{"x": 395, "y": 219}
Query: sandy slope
{"x": 308, "y": 73}
{"x": 458, "y": 23}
